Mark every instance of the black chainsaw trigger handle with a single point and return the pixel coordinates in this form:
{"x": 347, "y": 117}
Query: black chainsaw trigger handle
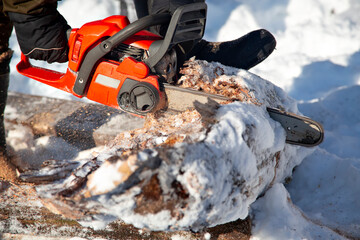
{"x": 182, "y": 27}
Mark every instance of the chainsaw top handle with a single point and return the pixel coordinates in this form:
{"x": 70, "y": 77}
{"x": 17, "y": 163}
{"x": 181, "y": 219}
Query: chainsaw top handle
{"x": 185, "y": 24}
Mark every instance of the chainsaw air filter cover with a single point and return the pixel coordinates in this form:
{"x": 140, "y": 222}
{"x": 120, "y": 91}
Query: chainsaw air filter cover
{"x": 138, "y": 97}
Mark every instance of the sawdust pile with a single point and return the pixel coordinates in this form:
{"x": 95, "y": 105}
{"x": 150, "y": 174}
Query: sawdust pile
{"x": 197, "y": 75}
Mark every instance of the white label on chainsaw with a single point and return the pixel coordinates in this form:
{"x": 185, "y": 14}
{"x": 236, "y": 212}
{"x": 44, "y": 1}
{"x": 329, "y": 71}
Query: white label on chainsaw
{"x": 107, "y": 81}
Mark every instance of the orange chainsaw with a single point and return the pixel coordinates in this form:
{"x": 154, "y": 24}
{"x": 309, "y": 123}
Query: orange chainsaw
{"x": 122, "y": 65}
{"x": 117, "y": 63}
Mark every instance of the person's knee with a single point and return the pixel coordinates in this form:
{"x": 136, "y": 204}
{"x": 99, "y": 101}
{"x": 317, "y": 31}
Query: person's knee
{"x": 161, "y": 6}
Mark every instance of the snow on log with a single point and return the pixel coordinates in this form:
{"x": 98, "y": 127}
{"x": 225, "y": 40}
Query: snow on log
{"x": 190, "y": 170}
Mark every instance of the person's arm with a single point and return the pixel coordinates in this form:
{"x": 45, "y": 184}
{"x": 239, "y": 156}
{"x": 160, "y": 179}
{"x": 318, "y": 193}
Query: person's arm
{"x": 40, "y": 29}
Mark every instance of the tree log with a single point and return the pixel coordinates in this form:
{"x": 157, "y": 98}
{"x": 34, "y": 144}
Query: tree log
{"x": 199, "y": 168}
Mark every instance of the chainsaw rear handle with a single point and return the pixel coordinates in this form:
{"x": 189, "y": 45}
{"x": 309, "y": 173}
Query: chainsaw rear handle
{"x": 187, "y": 30}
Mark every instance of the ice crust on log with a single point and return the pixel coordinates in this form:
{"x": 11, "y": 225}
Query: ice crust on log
{"x": 191, "y": 170}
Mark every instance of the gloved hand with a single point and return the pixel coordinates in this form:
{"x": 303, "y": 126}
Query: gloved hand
{"x": 42, "y": 36}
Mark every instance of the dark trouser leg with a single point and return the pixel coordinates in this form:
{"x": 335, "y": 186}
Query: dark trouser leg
{"x": 7, "y": 169}
{"x": 141, "y": 8}
{"x": 4, "y": 84}
{"x": 5, "y": 56}
{"x": 166, "y": 6}
{"x": 163, "y": 6}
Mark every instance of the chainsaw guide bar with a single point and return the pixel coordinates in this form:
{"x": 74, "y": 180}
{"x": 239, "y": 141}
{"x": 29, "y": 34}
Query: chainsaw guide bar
{"x": 180, "y": 99}
{"x": 299, "y": 130}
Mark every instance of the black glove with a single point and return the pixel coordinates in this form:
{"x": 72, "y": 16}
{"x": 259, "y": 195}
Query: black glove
{"x": 42, "y": 36}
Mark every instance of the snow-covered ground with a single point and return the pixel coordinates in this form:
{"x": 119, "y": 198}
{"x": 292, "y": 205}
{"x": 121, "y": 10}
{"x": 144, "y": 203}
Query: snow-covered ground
{"x": 317, "y": 62}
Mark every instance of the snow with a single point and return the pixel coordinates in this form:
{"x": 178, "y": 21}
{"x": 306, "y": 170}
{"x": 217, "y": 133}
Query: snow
{"x": 277, "y": 218}
{"x": 316, "y": 62}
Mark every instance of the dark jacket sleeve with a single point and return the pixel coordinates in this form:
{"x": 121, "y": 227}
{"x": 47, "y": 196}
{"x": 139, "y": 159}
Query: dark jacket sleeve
{"x": 28, "y": 6}
{"x": 41, "y": 31}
